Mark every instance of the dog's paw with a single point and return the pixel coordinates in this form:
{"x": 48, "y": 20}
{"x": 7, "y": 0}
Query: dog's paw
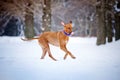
{"x": 74, "y": 57}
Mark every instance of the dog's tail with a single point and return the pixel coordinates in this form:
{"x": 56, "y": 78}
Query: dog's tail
{"x": 26, "y": 39}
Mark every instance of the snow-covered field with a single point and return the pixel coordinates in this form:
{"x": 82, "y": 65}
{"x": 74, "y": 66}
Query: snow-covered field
{"x": 20, "y": 60}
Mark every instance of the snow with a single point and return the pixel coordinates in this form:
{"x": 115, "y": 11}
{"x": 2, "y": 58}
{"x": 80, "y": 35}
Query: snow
{"x": 20, "y": 60}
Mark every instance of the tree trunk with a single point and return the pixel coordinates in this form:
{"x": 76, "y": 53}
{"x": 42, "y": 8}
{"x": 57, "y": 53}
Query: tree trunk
{"x": 101, "y": 30}
{"x": 29, "y": 24}
{"x": 108, "y": 15}
{"x": 117, "y": 26}
{"x": 109, "y": 28}
{"x": 46, "y": 18}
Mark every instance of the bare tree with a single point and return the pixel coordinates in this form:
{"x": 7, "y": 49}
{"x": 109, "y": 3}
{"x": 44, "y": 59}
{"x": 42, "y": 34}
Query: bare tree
{"x": 46, "y": 18}
{"x": 101, "y": 29}
{"x": 117, "y": 21}
{"x": 23, "y": 9}
{"x": 29, "y": 23}
{"x": 108, "y": 19}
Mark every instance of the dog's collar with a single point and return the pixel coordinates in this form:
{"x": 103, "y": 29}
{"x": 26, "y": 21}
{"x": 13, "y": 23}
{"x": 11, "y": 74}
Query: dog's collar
{"x": 67, "y": 34}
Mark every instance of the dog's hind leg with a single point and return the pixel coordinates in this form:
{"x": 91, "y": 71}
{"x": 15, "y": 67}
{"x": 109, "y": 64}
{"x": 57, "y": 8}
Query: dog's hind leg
{"x": 44, "y": 53}
{"x": 50, "y": 55}
{"x": 45, "y": 50}
{"x": 45, "y": 47}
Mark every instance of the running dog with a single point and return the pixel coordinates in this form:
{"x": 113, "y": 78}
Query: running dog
{"x": 59, "y": 39}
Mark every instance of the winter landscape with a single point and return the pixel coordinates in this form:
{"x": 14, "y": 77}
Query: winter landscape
{"x": 20, "y": 60}
{"x": 95, "y": 41}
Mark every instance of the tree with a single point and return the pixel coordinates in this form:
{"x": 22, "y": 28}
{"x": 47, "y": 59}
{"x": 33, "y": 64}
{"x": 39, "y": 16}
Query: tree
{"x": 117, "y": 26}
{"x": 10, "y": 23}
{"x": 22, "y": 9}
{"x": 46, "y": 18}
{"x": 105, "y": 13}
{"x": 108, "y": 19}
{"x": 117, "y": 23}
{"x": 29, "y": 23}
{"x": 109, "y": 27}
{"x": 101, "y": 30}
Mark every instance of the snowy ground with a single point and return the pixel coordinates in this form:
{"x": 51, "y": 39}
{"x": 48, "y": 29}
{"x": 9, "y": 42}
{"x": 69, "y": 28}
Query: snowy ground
{"x": 20, "y": 60}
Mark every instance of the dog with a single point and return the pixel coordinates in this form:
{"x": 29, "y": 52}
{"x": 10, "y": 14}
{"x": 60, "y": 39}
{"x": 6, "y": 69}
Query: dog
{"x": 59, "y": 39}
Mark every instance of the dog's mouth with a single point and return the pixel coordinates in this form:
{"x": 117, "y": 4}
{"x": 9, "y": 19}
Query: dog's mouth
{"x": 70, "y": 32}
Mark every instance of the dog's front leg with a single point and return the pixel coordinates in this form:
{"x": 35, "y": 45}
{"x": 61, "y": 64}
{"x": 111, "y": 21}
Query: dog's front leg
{"x": 63, "y": 47}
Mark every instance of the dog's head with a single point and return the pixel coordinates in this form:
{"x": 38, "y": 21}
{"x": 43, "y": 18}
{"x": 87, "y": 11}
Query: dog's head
{"x": 67, "y": 27}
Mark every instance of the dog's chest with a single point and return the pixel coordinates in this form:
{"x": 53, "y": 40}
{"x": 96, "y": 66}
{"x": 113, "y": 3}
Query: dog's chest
{"x": 66, "y": 40}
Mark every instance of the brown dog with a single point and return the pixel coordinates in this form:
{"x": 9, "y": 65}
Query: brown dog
{"x": 59, "y": 39}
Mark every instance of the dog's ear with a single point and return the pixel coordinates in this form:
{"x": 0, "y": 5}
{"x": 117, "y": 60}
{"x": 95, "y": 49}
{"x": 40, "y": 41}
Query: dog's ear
{"x": 63, "y": 23}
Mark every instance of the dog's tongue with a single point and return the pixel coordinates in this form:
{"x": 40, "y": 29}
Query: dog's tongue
{"x": 72, "y": 33}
